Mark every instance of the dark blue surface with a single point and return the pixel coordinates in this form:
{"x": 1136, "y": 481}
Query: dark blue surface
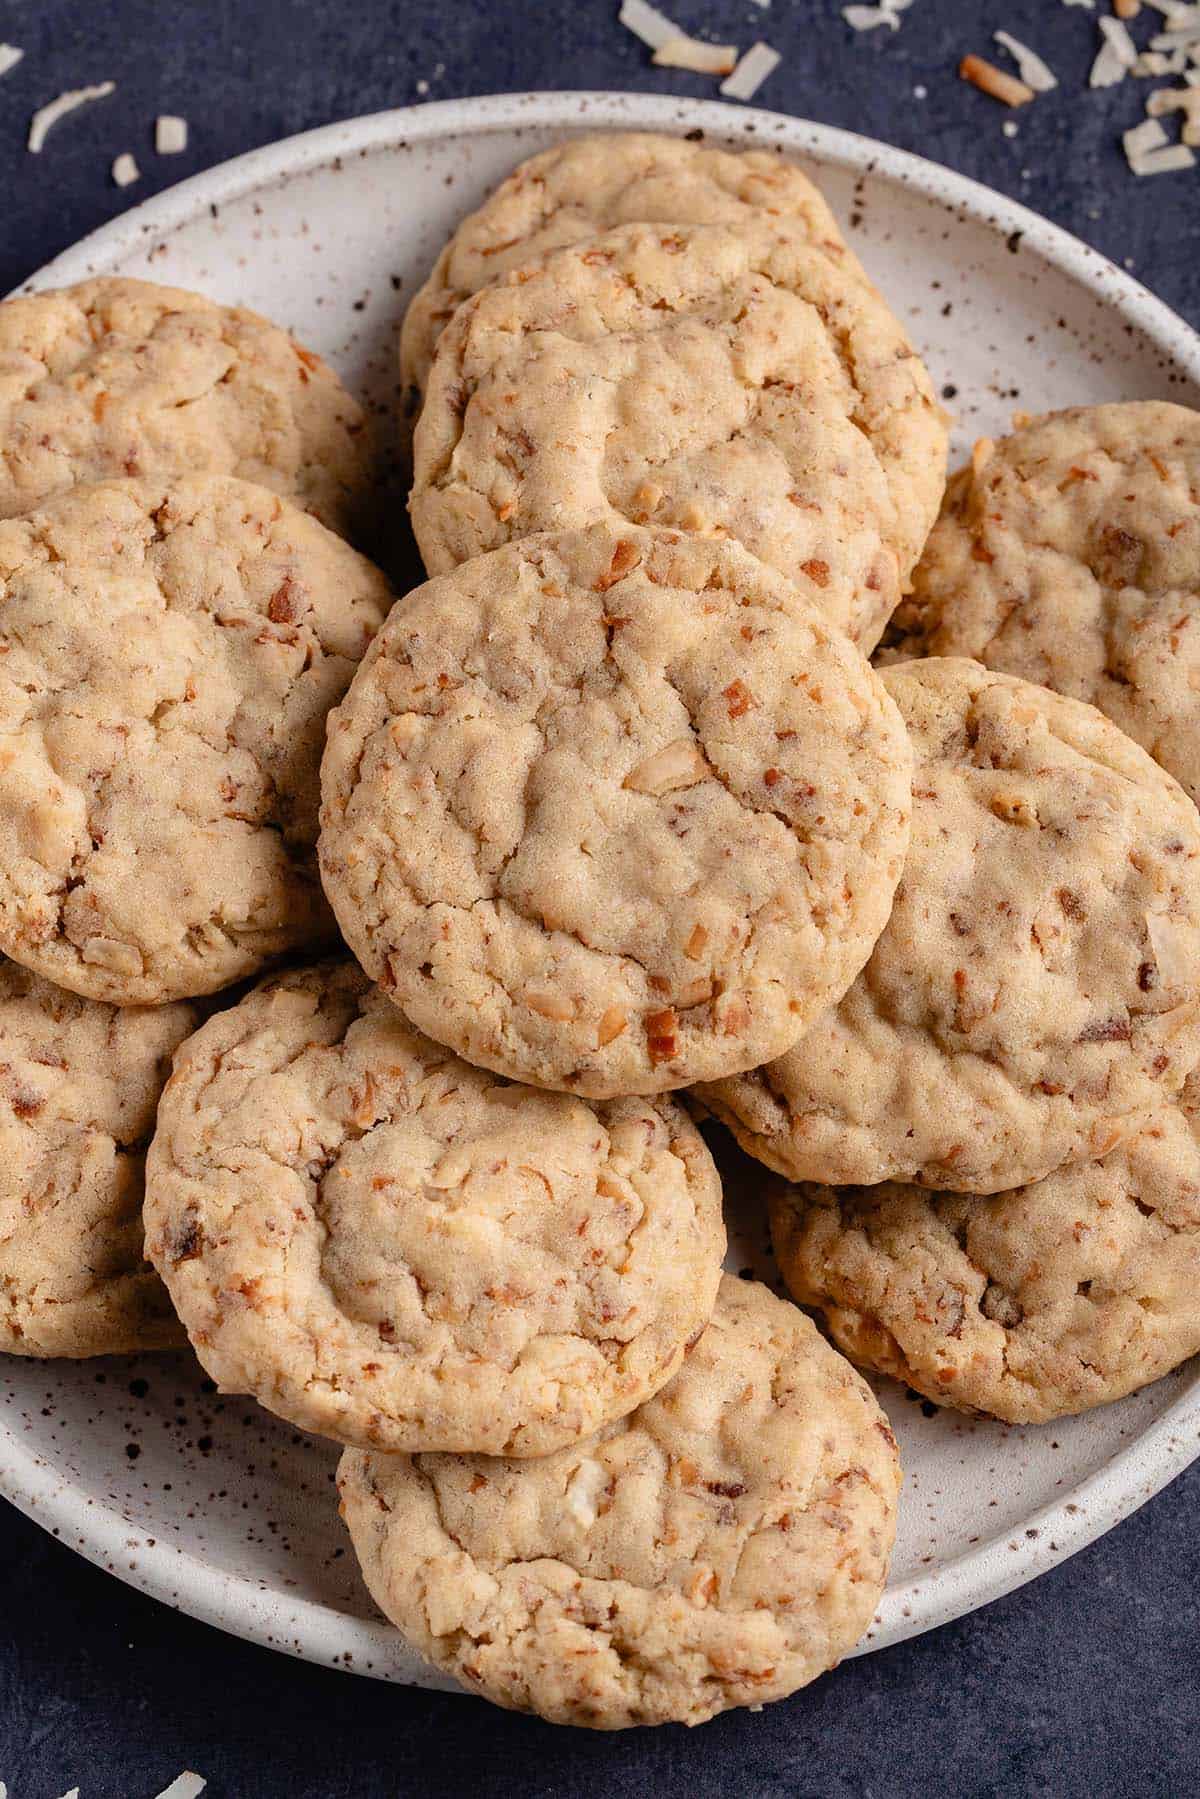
{"x": 1084, "y": 1684}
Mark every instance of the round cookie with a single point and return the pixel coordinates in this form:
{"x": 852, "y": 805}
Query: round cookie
{"x": 168, "y": 653}
{"x": 1069, "y": 554}
{"x": 1036, "y": 993}
{"x": 591, "y": 185}
{"x": 79, "y": 1083}
{"x": 724, "y": 1545}
{"x": 729, "y": 382}
{"x": 1031, "y": 1305}
{"x": 118, "y": 377}
{"x": 613, "y": 813}
{"x": 395, "y": 1249}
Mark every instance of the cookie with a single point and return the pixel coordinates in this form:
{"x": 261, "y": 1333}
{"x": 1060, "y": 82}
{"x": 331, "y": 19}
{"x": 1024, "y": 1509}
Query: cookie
{"x": 168, "y": 653}
{"x": 610, "y": 812}
{"x": 591, "y": 185}
{"x": 1069, "y": 554}
{"x": 722, "y": 1546}
{"x": 395, "y": 1249}
{"x": 1036, "y": 994}
{"x": 726, "y": 382}
{"x": 79, "y": 1083}
{"x": 118, "y": 377}
{"x": 1031, "y": 1305}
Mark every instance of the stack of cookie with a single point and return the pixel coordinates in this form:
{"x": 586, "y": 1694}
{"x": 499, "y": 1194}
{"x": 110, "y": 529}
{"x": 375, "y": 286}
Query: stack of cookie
{"x": 612, "y": 807}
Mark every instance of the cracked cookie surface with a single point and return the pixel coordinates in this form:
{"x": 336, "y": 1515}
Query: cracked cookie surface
{"x": 591, "y": 185}
{"x": 722, "y": 1546}
{"x": 733, "y": 383}
{"x": 118, "y": 377}
{"x": 611, "y": 811}
{"x": 397, "y": 1250}
{"x": 79, "y": 1083}
{"x": 1031, "y": 1305}
{"x": 1035, "y": 995}
{"x": 1069, "y": 554}
{"x": 168, "y": 653}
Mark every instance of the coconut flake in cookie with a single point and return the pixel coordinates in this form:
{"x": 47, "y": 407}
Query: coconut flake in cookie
{"x": 613, "y": 812}
{"x": 395, "y": 1249}
{"x": 724, "y": 1545}
{"x": 1036, "y": 993}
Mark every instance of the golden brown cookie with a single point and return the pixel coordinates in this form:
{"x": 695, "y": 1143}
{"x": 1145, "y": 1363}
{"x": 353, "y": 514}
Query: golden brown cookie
{"x": 1031, "y": 1305}
{"x": 722, "y": 1546}
{"x": 79, "y": 1083}
{"x": 168, "y": 652}
{"x": 731, "y": 382}
{"x": 118, "y": 377}
{"x": 613, "y": 812}
{"x": 1069, "y": 554}
{"x": 385, "y": 1245}
{"x": 592, "y": 184}
{"x": 1036, "y": 993}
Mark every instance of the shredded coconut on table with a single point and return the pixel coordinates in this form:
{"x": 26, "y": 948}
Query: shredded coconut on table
{"x": 759, "y": 62}
{"x": 1033, "y": 71}
{"x": 170, "y": 134}
{"x": 10, "y": 56}
{"x": 46, "y": 117}
{"x": 645, "y": 22}
{"x": 866, "y": 18}
{"x": 125, "y": 170}
{"x": 1117, "y": 55}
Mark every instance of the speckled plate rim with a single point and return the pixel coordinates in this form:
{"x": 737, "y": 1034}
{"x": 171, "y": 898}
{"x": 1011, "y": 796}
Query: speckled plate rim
{"x": 995, "y": 1566}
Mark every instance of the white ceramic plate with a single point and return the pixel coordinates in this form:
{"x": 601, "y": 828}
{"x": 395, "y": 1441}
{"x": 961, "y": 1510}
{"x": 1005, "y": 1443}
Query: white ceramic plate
{"x": 209, "y": 1503}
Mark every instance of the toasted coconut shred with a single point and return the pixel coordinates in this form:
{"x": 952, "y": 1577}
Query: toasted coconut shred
{"x": 47, "y": 117}
{"x": 759, "y": 62}
{"x": 995, "y": 82}
{"x": 10, "y": 56}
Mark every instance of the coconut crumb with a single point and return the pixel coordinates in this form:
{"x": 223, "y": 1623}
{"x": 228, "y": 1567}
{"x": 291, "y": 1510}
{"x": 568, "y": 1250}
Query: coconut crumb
{"x": 1090, "y": 4}
{"x": 170, "y": 134}
{"x": 1033, "y": 71}
{"x": 47, "y": 117}
{"x": 759, "y": 62}
{"x": 125, "y": 170}
{"x": 10, "y": 56}
{"x": 996, "y": 82}
{"x": 693, "y": 54}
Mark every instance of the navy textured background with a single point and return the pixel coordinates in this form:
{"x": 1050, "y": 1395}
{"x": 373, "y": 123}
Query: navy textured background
{"x": 1084, "y": 1684}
